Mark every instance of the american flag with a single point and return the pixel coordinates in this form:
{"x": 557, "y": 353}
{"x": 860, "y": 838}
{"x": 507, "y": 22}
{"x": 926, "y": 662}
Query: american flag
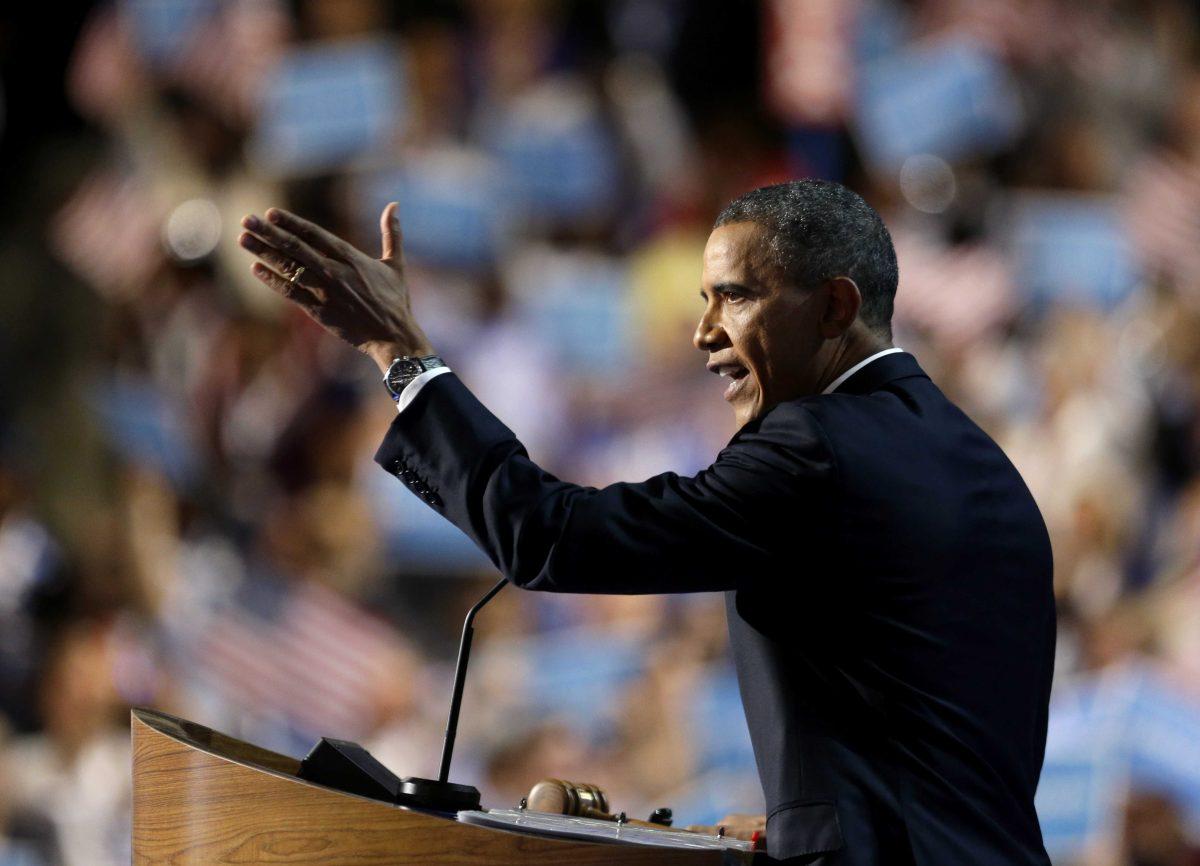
{"x": 317, "y": 661}
{"x": 1162, "y": 209}
{"x": 109, "y": 233}
{"x": 219, "y": 53}
{"x": 957, "y": 294}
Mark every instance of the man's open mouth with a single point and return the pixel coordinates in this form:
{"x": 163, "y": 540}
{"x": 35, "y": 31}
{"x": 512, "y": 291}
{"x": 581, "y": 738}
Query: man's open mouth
{"x": 734, "y": 372}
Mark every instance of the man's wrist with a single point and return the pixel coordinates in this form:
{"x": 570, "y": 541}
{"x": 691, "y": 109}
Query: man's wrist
{"x": 383, "y": 353}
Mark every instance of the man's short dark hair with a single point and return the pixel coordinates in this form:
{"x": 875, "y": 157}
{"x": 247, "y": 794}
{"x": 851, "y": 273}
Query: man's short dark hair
{"x": 815, "y": 230}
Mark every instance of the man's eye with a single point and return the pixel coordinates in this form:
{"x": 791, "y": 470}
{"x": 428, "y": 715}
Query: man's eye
{"x": 733, "y": 297}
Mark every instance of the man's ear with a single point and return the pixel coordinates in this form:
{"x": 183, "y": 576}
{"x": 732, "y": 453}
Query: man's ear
{"x": 845, "y": 300}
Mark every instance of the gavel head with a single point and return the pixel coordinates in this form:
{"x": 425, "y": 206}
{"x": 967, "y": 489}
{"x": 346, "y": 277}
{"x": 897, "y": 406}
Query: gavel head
{"x": 560, "y": 797}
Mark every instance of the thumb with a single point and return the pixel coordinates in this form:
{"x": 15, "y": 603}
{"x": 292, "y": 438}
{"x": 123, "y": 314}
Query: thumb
{"x": 393, "y": 238}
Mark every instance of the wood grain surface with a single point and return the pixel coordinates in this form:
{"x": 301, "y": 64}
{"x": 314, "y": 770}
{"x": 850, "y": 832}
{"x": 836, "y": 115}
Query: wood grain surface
{"x": 200, "y": 797}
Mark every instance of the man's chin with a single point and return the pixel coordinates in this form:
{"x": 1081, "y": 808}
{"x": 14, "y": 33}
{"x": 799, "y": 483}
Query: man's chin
{"x": 746, "y": 411}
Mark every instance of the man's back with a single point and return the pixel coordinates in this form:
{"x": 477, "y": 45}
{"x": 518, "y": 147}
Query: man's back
{"x": 900, "y": 681}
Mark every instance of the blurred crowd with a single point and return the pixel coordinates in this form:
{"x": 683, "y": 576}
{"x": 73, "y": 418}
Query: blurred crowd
{"x": 190, "y": 518}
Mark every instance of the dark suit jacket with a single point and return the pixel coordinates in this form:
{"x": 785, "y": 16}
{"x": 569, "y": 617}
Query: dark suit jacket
{"x": 888, "y": 586}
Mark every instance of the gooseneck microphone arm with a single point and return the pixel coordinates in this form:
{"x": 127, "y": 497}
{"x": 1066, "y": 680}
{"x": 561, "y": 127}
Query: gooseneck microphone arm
{"x": 441, "y": 795}
{"x": 464, "y": 653}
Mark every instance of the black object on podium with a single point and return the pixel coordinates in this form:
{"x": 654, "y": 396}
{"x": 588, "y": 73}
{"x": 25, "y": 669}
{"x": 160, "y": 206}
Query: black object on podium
{"x": 351, "y": 768}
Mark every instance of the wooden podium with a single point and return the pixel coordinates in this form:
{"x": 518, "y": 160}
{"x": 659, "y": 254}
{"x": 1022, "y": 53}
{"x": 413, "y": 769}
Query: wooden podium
{"x": 202, "y": 797}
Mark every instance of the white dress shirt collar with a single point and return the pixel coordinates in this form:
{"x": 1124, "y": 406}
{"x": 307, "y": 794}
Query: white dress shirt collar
{"x": 836, "y": 383}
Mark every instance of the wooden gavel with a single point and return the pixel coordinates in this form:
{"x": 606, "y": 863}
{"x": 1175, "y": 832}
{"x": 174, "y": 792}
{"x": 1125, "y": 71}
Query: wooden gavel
{"x": 560, "y": 797}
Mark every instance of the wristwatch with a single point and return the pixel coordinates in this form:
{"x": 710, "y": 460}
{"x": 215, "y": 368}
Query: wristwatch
{"x": 404, "y": 370}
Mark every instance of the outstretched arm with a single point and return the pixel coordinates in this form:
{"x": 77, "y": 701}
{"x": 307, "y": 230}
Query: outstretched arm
{"x": 713, "y": 531}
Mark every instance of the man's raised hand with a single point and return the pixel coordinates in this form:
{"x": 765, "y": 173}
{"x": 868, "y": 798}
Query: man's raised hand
{"x": 359, "y": 299}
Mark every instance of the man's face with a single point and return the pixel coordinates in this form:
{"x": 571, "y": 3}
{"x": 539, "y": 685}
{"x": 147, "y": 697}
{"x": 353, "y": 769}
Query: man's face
{"x": 761, "y": 334}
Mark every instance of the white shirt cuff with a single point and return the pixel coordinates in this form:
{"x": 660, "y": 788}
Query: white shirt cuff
{"x": 413, "y": 388}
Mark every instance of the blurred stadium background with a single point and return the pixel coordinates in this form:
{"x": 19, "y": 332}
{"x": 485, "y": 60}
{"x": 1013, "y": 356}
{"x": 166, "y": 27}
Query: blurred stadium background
{"x": 189, "y": 516}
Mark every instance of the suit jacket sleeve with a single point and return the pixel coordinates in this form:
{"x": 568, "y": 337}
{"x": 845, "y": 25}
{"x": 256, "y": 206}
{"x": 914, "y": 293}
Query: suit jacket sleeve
{"x": 718, "y": 530}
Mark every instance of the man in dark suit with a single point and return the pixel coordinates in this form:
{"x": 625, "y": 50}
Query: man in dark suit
{"x": 887, "y": 573}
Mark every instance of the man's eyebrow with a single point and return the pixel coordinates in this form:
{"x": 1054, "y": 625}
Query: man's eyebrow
{"x": 719, "y": 288}
{"x": 727, "y": 287}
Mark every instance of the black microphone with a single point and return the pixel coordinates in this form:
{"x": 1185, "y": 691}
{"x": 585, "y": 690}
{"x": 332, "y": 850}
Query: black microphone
{"x": 442, "y": 795}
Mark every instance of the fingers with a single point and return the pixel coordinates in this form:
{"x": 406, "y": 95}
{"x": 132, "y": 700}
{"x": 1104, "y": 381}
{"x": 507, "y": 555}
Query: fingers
{"x": 741, "y": 818}
{"x": 286, "y": 244}
{"x": 292, "y": 291}
{"x": 393, "y": 238}
{"x": 746, "y": 834}
{"x": 283, "y": 265}
{"x": 319, "y": 239}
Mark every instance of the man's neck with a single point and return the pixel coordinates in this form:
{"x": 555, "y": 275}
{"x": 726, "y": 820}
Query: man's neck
{"x": 855, "y": 349}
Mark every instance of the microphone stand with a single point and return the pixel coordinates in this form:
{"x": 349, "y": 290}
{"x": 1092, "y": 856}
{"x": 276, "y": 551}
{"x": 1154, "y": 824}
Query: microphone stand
{"x": 442, "y": 795}
{"x": 460, "y": 672}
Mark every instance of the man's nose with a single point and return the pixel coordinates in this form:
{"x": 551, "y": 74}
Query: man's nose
{"x": 709, "y": 334}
